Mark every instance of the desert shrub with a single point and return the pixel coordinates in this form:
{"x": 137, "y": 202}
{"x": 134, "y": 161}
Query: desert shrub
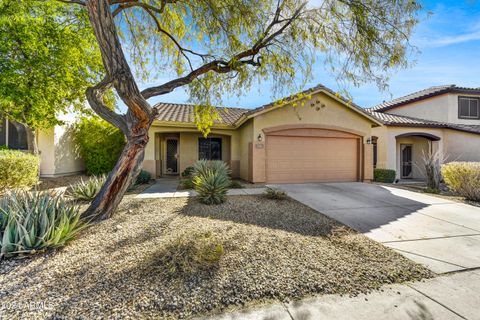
{"x": 99, "y": 144}
{"x": 463, "y": 178}
{"x": 186, "y": 184}
{"x": 384, "y": 175}
{"x": 236, "y": 185}
{"x": 143, "y": 177}
{"x": 87, "y": 190}
{"x": 35, "y": 221}
{"x": 275, "y": 194}
{"x": 211, "y": 180}
{"x": 190, "y": 254}
{"x": 188, "y": 172}
{"x": 431, "y": 164}
{"x": 18, "y": 169}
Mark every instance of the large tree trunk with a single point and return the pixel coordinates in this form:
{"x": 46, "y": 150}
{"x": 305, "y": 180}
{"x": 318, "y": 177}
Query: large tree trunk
{"x": 31, "y": 140}
{"x": 134, "y": 124}
{"x": 122, "y": 176}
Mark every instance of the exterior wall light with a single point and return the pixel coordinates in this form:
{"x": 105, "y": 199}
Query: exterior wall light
{"x": 259, "y": 137}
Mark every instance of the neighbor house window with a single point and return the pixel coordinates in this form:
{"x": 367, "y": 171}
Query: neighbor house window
{"x": 468, "y": 108}
{"x": 210, "y": 149}
{"x": 13, "y": 135}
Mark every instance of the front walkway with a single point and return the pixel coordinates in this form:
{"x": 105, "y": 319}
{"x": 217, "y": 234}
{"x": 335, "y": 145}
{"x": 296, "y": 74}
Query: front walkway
{"x": 441, "y": 234}
{"x": 167, "y": 188}
{"x": 453, "y": 296}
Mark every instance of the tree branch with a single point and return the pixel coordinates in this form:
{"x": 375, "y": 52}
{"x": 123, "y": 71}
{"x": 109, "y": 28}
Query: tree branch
{"x": 95, "y": 99}
{"x": 80, "y": 2}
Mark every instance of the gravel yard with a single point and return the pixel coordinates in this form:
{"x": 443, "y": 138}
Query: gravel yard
{"x": 272, "y": 250}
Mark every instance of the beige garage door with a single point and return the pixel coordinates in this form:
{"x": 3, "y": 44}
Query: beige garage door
{"x": 296, "y": 159}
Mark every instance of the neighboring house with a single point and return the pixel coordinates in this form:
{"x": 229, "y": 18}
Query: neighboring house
{"x": 443, "y": 118}
{"x": 326, "y": 139}
{"x": 58, "y": 156}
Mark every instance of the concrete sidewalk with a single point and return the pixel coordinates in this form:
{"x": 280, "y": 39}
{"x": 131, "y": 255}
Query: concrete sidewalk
{"x": 453, "y": 296}
{"x": 441, "y": 234}
{"x": 167, "y": 188}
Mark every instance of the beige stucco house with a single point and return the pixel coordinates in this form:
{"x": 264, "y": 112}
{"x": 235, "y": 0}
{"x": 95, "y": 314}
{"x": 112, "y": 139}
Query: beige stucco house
{"x": 58, "y": 155}
{"x": 443, "y": 118}
{"x": 323, "y": 138}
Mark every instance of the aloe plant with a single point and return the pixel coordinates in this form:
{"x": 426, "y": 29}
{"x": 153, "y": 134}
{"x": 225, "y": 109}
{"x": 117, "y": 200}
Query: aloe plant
{"x": 35, "y": 221}
{"x": 87, "y": 190}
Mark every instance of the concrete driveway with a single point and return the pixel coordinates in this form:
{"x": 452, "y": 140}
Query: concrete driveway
{"x": 441, "y": 234}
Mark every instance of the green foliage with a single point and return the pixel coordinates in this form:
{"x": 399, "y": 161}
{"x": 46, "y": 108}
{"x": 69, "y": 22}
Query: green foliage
{"x": 236, "y": 185}
{"x": 99, "y": 144}
{"x": 359, "y": 41}
{"x": 143, "y": 177}
{"x": 3, "y": 147}
{"x": 87, "y": 190}
{"x": 211, "y": 180}
{"x": 190, "y": 254}
{"x": 35, "y": 221}
{"x": 48, "y": 57}
{"x": 186, "y": 184}
{"x": 431, "y": 190}
{"x": 275, "y": 194}
{"x": 188, "y": 172}
{"x": 463, "y": 178}
{"x": 18, "y": 169}
{"x": 384, "y": 175}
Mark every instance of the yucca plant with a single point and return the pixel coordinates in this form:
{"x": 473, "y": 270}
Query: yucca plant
{"x": 87, "y": 190}
{"x": 35, "y": 221}
{"x": 211, "y": 180}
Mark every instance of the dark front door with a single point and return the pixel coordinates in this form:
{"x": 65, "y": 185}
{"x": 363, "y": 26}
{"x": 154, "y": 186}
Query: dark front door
{"x": 172, "y": 156}
{"x": 406, "y": 160}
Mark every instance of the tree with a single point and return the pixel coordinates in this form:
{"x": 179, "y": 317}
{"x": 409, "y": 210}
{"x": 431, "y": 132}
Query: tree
{"x": 48, "y": 57}
{"x": 225, "y": 46}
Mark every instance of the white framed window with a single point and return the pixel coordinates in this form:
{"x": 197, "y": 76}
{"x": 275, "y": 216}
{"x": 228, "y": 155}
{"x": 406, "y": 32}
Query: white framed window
{"x": 468, "y": 108}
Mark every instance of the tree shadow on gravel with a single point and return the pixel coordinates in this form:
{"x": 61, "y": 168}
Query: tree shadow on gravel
{"x": 287, "y": 215}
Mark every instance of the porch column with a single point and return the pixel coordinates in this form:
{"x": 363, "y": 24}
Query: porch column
{"x": 392, "y": 158}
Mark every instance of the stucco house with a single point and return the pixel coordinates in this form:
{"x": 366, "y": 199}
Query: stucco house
{"x": 326, "y": 139}
{"x": 444, "y": 118}
{"x": 58, "y": 155}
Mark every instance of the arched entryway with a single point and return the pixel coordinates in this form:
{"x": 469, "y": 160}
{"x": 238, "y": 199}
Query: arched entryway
{"x": 411, "y": 148}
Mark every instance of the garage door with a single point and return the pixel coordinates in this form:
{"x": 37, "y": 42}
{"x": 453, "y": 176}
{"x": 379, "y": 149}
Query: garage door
{"x": 296, "y": 159}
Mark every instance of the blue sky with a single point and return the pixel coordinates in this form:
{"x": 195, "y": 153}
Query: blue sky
{"x": 449, "y": 42}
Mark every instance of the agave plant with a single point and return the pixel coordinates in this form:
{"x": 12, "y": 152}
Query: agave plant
{"x": 87, "y": 190}
{"x": 211, "y": 180}
{"x": 35, "y": 221}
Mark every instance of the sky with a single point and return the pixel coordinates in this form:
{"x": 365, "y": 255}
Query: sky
{"x": 448, "y": 38}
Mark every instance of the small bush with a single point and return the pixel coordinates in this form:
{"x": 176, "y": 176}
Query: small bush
{"x": 275, "y": 194}
{"x": 87, "y": 190}
{"x": 99, "y": 144}
{"x": 384, "y": 175}
{"x": 35, "y": 221}
{"x": 143, "y": 177}
{"x": 463, "y": 178}
{"x": 190, "y": 254}
{"x": 186, "y": 184}
{"x": 431, "y": 190}
{"x": 188, "y": 172}
{"x": 3, "y": 147}
{"x": 18, "y": 170}
{"x": 211, "y": 180}
{"x": 236, "y": 185}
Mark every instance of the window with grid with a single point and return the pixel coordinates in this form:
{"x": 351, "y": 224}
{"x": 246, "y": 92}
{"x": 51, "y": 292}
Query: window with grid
{"x": 210, "y": 149}
{"x": 468, "y": 108}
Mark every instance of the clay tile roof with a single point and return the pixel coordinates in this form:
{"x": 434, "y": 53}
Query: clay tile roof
{"x": 423, "y": 94}
{"x": 396, "y": 120}
{"x": 174, "y": 112}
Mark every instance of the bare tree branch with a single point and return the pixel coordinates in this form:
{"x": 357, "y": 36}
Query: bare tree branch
{"x": 80, "y": 2}
{"x": 95, "y": 99}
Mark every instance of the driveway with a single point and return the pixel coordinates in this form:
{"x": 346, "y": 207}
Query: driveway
{"x": 441, "y": 234}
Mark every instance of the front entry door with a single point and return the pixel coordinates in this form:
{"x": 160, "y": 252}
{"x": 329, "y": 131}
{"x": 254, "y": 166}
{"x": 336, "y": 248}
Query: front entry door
{"x": 406, "y": 161}
{"x": 172, "y": 156}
